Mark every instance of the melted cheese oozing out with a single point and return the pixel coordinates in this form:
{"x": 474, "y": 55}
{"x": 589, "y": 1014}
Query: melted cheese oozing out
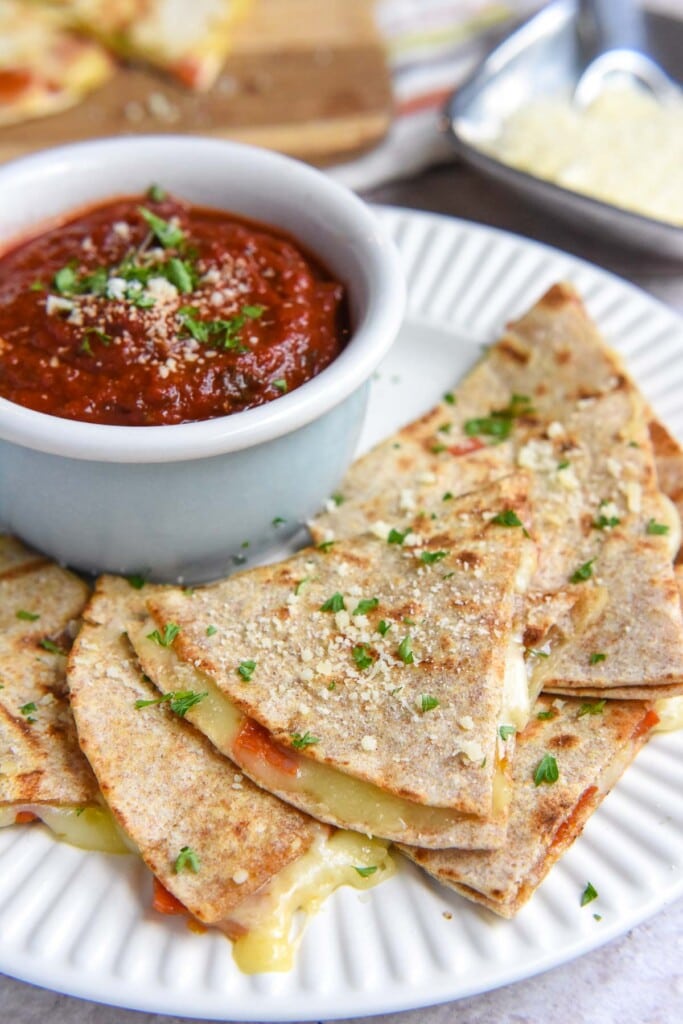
{"x": 336, "y": 795}
{"x": 90, "y": 828}
{"x": 673, "y": 521}
{"x": 271, "y": 938}
{"x": 516, "y": 700}
{"x": 670, "y": 711}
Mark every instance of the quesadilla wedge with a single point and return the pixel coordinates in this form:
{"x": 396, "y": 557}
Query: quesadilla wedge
{"x": 365, "y": 682}
{"x": 232, "y": 855}
{"x": 187, "y": 41}
{"x": 43, "y": 775}
{"x": 566, "y": 761}
{"x": 44, "y": 68}
{"x": 550, "y": 397}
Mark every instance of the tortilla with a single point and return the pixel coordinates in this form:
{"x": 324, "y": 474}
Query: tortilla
{"x": 44, "y": 68}
{"x": 669, "y": 462}
{"x": 42, "y": 771}
{"x": 592, "y": 745}
{"x": 173, "y": 794}
{"x": 550, "y": 397}
{"x": 404, "y": 697}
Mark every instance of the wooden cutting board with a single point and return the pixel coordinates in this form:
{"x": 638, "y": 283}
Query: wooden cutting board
{"x": 306, "y": 77}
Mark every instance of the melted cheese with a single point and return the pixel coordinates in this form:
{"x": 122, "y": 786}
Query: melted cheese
{"x": 269, "y": 918}
{"x": 90, "y": 828}
{"x": 670, "y": 711}
{"x": 331, "y": 795}
{"x": 671, "y": 519}
{"x": 516, "y": 700}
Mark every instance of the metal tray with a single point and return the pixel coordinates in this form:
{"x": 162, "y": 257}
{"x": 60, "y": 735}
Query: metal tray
{"x": 544, "y": 57}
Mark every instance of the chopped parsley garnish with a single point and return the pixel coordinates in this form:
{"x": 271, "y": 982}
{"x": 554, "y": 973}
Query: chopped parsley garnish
{"x": 26, "y": 616}
{"x": 211, "y": 630}
{"x": 383, "y": 627}
{"x": 449, "y": 398}
{"x": 445, "y": 428}
{"x": 606, "y": 522}
{"x": 546, "y": 716}
{"x": 180, "y": 273}
{"x": 430, "y": 557}
{"x": 136, "y": 580}
{"x": 338, "y": 498}
{"x": 656, "y": 529}
{"x": 405, "y": 651}
{"x": 507, "y": 518}
{"x": 361, "y": 656}
{"x": 438, "y": 448}
{"x": 218, "y": 333}
{"x": 564, "y": 464}
{"x": 366, "y": 872}
{"x": 589, "y": 894}
{"x": 51, "y": 646}
{"x": 167, "y": 235}
{"x": 596, "y": 657}
{"x": 500, "y": 422}
{"x": 65, "y": 281}
{"x": 278, "y": 521}
{"x": 302, "y": 740}
{"x": 156, "y": 193}
{"x": 281, "y": 385}
{"x": 366, "y": 605}
{"x": 535, "y": 653}
{"x": 428, "y": 703}
{"x": 325, "y": 545}
{"x": 334, "y": 604}
{"x": 245, "y": 669}
{"x": 505, "y": 731}
{"x": 187, "y": 860}
{"x": 299, "y": 586}
{"x": 592, "y": 709}
{"x": 546, "y": 770}
{"x": 396, "y": 536}
{"x": 36, "y": 286}
{"x": 583, "y": 573}
{"x": 448, "y": 496}
{"x": 165, "y": 638}
{"x": 179, "y": 701}
{"x": 27, "y": 711}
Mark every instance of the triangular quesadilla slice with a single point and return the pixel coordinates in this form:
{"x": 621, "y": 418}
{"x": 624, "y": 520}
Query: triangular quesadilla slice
{"x": 380, "y": 669}
{"x": 550, "y": 397}
{"x": 566, "y": 761}
{"x": 43, "y": 775}
{"x": 230, "y": 854}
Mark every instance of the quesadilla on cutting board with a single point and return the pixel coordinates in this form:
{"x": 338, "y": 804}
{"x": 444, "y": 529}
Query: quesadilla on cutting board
{"x": 566, "y": 761}
{"x": 231, "y": 855}
{"x": 550, "y": 397}
{"x": 43, "y": 775}
{"x": 365, "y": 682}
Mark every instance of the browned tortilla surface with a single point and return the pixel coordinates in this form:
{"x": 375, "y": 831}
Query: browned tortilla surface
{"x": 165, "y": 784}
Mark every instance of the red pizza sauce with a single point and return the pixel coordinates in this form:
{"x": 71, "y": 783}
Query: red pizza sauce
{"x": 147, "y": 311}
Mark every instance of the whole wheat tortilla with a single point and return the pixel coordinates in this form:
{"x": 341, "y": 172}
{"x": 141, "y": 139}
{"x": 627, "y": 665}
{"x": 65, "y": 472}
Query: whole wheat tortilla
{"x": 40, "y": 761}
{"x": 592, "y": 745}
{"x": 570, "y": 415}
{"x": 415, "y": 711}
{"x": 165, "y": 784}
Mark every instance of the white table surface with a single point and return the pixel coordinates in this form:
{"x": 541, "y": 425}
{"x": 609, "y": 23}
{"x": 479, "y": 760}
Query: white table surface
{"x": 637, "y": 979}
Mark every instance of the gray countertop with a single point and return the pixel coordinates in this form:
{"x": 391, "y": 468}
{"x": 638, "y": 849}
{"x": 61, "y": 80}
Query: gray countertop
{"x": 637, "y": 979}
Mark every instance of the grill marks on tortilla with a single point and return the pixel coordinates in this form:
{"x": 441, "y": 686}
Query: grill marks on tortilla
{"x": 583, "y": 435}
{"x": 591, "y": 751}
{"x": 40, "y": 761}
{"x": 165, "y": 784}
{"x": 456, "y": 609}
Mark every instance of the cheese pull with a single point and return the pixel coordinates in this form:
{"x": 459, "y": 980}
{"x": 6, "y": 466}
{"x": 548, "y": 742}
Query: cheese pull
{"x": 90, "y": 828}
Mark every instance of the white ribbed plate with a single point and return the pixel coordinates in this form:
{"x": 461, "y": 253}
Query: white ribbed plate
{"x": 78, "y": 923}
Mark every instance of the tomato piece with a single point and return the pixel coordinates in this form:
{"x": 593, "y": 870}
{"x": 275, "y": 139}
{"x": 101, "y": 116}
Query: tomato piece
{"x": 569, "y": 827}
{"x": 13, "y": 81}
{"x": 648, "y": 722}
{"x": 253, "y": 741}
{"x": 24, "y": 817}
{"x": 164, "y": 901}
{"x": 473, "y": 444}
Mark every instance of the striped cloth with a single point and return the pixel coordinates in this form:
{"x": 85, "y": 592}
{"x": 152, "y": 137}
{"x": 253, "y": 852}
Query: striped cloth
{"x": 432, "y": 45}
